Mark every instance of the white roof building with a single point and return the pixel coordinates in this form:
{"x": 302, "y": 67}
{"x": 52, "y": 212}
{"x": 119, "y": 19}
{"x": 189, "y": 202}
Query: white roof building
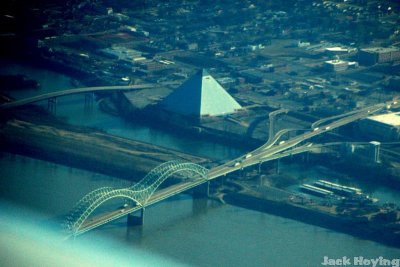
{"x": 383, "y": 127}
{"x": 392, "y": 119}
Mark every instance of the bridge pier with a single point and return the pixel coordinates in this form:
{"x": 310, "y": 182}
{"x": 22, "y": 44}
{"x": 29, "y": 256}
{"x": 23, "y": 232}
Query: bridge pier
{"x": 375, "y": 148}
{"x": 136, "y": 220}
{"x": 52, "y": 105}
{"x": 89, "y": 100}
{"x": 222, "y": 180}
{"x": 261, "y": 179}
{"x": 202, "y": 190}
{"x": 278, "y": 166}
{"x": 199, "y": 206}
{"x": 306, "y": 157}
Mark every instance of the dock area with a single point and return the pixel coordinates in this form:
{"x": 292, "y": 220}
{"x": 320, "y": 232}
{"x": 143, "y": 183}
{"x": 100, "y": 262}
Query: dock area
{"x": 373, "y": 222}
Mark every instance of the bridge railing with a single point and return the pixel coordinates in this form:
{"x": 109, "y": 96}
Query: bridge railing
{"x": 140, "y": 193}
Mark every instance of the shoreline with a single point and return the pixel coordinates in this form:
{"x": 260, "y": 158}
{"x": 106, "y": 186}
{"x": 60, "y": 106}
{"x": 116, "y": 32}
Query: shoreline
{"x": 162, "y": 119}
{"x": 75, "y": 152}
{"x": 314, "y": 217}
{"x": 82, "y": 147}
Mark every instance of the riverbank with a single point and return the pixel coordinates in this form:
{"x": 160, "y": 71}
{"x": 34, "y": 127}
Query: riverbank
{"x": 37, "y": 133}
{"x": 281, "y": 203}
{"x": 152, "y": 115}
{"x": 32, "y": 132}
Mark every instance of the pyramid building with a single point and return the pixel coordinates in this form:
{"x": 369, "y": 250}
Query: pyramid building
{"x": 201, "y": 95}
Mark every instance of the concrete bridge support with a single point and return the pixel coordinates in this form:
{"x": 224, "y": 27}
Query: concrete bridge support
{"x": 222, "y": 180}
{"x": 136, "y": 220}
{"x": 199, "y": 206}
{"x": 375, "y": 148}
{"x": 305, "y": 157}
{"x": 262, "y": 178}
{"x": 202, "y": 190}
{"x": 52, "y": 105}
{"x": 278, "y": 166}
{"x": 89, "y": 100}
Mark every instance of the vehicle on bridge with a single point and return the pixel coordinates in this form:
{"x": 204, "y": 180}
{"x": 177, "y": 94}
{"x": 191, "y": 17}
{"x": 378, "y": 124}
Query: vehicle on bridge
{"x": 123, "y": 207}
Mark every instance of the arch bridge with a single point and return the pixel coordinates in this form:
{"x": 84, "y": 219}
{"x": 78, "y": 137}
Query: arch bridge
{"x": 144, "y": 192}
{"x": 140, "y": 193}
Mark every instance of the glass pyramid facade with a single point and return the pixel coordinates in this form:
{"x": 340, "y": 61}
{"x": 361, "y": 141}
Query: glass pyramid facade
{"x": 201, "y": 95}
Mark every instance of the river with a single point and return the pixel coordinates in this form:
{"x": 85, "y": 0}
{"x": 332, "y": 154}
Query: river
{"x": 196, "y": 232}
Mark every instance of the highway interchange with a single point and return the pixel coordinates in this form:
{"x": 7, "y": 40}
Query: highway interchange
{"x": 269, "y": 151}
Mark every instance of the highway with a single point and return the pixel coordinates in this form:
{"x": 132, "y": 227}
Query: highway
{"x": 272, "y": 116}
{"x": 79, "y": 90}
{"x": 321, "y": 121}
{"x": 272, "y": 141}
{"x": 267, "y": 152}
{"x": 155, "y": 198}
{"x": 184, "y": 186}
{"x": 263, "y": 153}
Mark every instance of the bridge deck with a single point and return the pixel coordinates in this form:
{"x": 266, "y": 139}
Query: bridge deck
{"x": 155, "y": 198}
{"x": 80, "y": 90}
{"x": 262, "y": 154}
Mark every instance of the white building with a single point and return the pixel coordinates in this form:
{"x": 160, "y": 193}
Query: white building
{"x": 384, "y": 127}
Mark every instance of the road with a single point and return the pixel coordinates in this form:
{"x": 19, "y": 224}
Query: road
{"x": 264, "y": 153}
{"x": 80, "y": 90}
{"x": 155, "y": 198}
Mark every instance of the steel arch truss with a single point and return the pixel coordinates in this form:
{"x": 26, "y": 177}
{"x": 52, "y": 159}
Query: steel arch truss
{"x": 140, "y": 193}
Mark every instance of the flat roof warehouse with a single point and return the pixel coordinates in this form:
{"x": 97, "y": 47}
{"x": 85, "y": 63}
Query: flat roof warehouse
{"x": 392, "y": 119}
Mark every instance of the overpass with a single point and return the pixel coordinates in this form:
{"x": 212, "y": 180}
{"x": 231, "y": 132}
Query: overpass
{"x": 144, "y": 193}
{"x": 74, "y": 91}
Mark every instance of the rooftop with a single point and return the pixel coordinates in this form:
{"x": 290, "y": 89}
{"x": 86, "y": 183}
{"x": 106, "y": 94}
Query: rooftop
{"x": 336, "y": 62}
{"x": 390, "y": 118}
{"x": 336, "y": 49}
{"x": 380, "y": 49}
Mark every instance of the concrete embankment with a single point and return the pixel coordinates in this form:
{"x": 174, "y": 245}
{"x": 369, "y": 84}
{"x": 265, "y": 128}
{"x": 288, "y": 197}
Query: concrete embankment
{"x": 364, "y": 230}
{"x": 83, "y": 147}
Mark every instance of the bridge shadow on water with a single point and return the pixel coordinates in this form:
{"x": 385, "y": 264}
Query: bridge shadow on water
{"x": 180, "y": 209}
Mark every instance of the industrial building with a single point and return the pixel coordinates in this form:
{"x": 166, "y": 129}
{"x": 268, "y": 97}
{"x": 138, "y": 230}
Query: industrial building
{"x": 200, "y": 96}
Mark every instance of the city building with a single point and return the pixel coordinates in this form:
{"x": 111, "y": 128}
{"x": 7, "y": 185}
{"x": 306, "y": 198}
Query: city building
{"x": 374, "y": 55}
{"x": 336, "y": 65}
{"x": 384, "y": 127}
{"x": 201, "y": 95}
